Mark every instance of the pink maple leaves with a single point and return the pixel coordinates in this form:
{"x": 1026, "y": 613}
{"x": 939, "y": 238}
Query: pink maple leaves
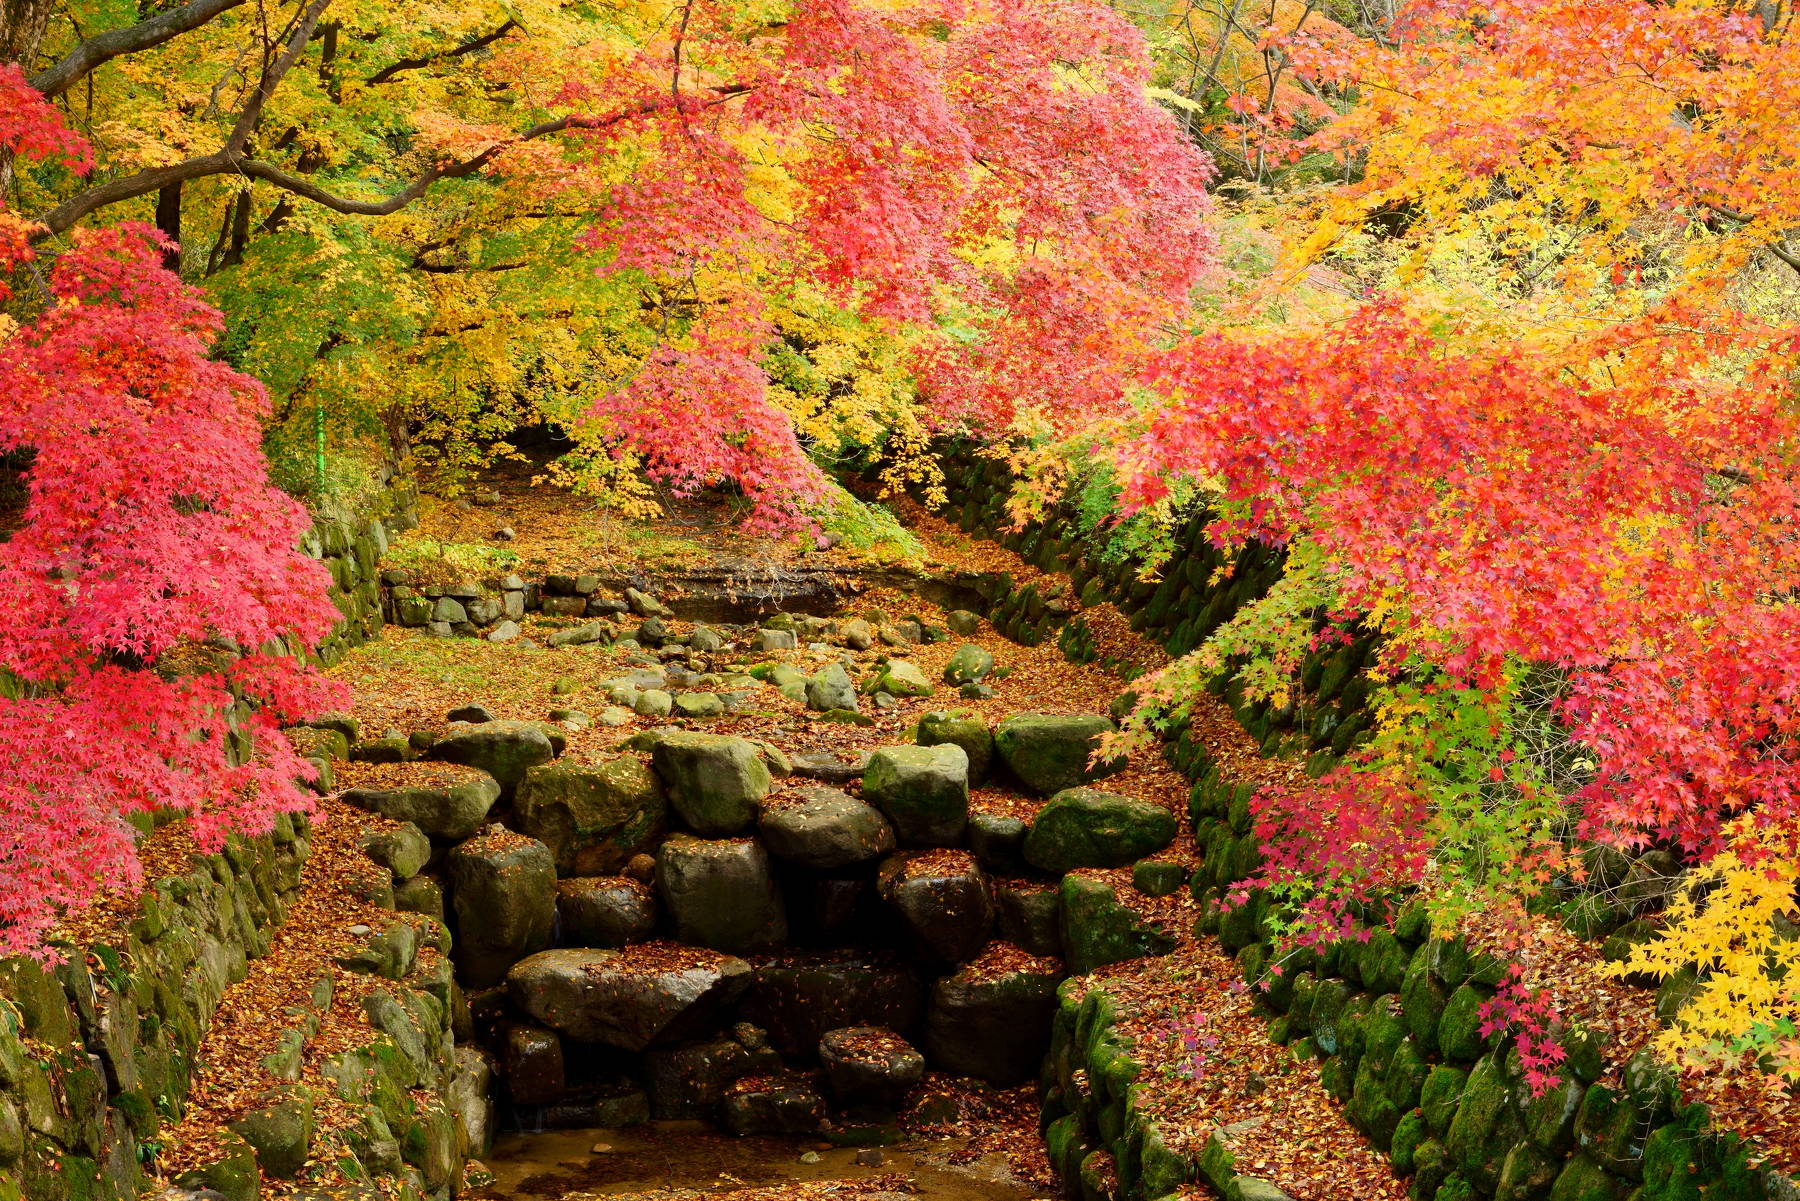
{"x": 150, "y": 552}
{"x": 999, "y": 171}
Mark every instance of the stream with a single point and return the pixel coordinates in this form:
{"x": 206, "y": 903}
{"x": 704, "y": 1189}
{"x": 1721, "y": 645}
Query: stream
{"x": 654, "y": 1159}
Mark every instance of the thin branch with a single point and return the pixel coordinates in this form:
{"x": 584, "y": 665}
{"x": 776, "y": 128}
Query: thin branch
{"x": 272, "y": 77}
{"x": 412, "y": 64}
{"x": 227, "y": 159}
{"x": 103, "y": 47}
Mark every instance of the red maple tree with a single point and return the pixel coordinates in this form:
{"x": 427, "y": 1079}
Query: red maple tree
{"x": 153, "y": 582}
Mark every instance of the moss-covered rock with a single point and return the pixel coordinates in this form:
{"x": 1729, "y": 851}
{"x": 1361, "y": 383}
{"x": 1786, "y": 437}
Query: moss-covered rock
{"x": 1485, "y": 1128}
{"x": 1581, "y": 1179}
{"x": 1050, "y": 753}
{"x": 964, "y": 728}
{"x": 714, "y": 781}
{"x": 1086, "y": 827}
{"x": 923, "y": 790}
{"x": 593, "y": 816}
{"x": 1459, "y": 1034}
{"x": 1098, "y": 929}
{"x": 1440, "y": 1095}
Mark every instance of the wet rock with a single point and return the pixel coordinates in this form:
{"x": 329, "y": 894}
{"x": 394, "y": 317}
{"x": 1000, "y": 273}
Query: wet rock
{"x": 942, "y": 898}
{"x": 998, "y": 840}
{"x": 992, "y": 1019}
{"x": 1050, "y": 753}
{"x": 608, "y": 911}
{"x": 714, "y": 781}
{"x": 963, "y": 728}
{"x": 867, "y": 1064}
{"x": 969, "y": 665}
{"x": 690, "y": 1081}
{"x": 788, "y": 1104}
{"x": 533, "y": 1061}
{"x": 503, "y": 888}
{"x": 720, "y": 894}
{"x": 923, "y": 790}
{"x": 823, "y": 828}
{"x": 1028, "y": 914}
{"x": 593, "y": 816}
{"x": 630, "y": 998}
{"x": 503, "y": 749}
{"x": 799, "y": 996}
{"x": 1085, "y": 827}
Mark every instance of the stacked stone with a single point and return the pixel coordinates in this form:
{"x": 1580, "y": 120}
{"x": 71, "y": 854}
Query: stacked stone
{"x": 677, "y": 930}
{"x": 351, "y": 548}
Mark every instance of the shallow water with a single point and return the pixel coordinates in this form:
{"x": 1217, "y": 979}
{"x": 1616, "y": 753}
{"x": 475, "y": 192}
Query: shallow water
{"x": 561, "y": 1164}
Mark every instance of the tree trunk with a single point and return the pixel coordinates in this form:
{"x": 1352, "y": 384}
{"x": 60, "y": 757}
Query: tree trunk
{"x": 168, "y": 221}
{"x": 22, "y": 25}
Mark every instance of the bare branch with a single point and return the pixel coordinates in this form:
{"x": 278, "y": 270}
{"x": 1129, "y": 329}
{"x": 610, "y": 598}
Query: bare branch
{"x": 412, "y": 64}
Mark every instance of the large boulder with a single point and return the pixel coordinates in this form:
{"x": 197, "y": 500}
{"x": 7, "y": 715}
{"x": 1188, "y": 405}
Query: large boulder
{"x": 867, "y": 1064}
{"x": 503, "y": 888}
{"x": 631, "y": 998}
{"x": 593, "y": 816}
{"x": 831, "y": 689}
{"x": 721, "y": 894}
{"x": 942, "y": 899}
{"x": 924, "y": 790}
{"x": 607, "y": 911}
{"x": 714, "y": 781}
{"x": 1049, "y": 753}
{"x": 1085, "y": 827}
{"x": 966, "y": 729}
{"x": 798, "y": 996}
{"x": 992, "y": 1019}
{"x": 503, "y": 749}
{"x": 823, "y": 828}
{"x": 444, "y": 800}
{"x": 533, "y": 1061}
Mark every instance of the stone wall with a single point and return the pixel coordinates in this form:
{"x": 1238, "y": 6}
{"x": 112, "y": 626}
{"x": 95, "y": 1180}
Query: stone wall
{"x": 351, "y": 545}
{"x": 96, "y": 1054}
{"x": 1392, "y": 1022}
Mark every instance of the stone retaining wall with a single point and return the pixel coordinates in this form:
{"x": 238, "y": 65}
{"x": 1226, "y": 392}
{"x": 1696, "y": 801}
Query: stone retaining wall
{"x": 351, "y": 546}
{"x": 96, "y": 1055}
{"x": 1392, "y": 1022}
